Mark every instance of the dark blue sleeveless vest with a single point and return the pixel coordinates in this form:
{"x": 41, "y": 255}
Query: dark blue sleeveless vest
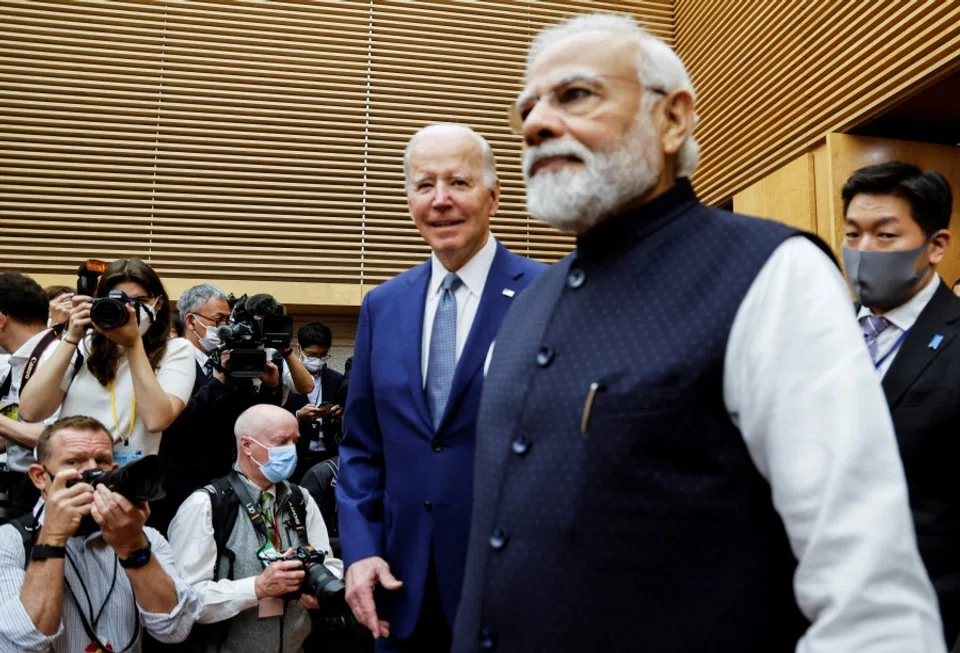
{"x": 643, "y": 526}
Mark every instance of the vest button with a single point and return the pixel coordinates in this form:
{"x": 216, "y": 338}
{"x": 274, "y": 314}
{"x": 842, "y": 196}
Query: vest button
{"x": 576, "y": 278}
{"x": 427, "y": 506}
{"x": 436, "y": 445}
{"x": 487, "y": 639}
{"x": 498, "y": 539}
{"x": 545, "y": 356}
{"x": 520, "y": 445}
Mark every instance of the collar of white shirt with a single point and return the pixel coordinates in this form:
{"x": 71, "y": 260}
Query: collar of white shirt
{"x": 905, "y": 316}
{"x": 473, "y": 274}
{"x": 22, "y": 354}
{"x": 200, "y": 356}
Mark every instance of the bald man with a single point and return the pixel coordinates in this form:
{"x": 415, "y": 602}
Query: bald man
{"x": 225, "y": 552}
{"x": 406, "y": 460}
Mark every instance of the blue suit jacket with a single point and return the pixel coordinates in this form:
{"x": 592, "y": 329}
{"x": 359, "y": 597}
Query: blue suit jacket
{"x": 405, "y": 489}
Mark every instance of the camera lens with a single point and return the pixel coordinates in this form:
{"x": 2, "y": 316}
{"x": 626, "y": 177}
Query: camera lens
{"x": 109, "y": 313}
{"x": 320, "y": 582}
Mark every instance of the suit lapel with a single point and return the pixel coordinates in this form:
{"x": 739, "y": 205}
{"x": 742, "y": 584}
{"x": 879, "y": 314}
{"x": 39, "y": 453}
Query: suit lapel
{"x": 494, "y": 304}
{"x": 939, "y": 318}
{"x": 413, "y": 302}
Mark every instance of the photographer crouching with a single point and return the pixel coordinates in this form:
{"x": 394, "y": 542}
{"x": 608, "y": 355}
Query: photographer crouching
{"x": 83, "y": 573}
{"x": 255, "y": 548}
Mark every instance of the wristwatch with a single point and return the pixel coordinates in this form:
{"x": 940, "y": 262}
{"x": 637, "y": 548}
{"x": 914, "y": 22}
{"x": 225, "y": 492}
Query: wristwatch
{"x": 137, "y": 559}
{"x": 46, "y": 552}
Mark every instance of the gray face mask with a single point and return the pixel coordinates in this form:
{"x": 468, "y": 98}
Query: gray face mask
{"x": 882, "y": 279}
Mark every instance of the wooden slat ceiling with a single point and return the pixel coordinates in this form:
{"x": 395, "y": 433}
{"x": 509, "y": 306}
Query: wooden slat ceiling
{"x": 251, "y": 140}
{"x": 773, "y": 77}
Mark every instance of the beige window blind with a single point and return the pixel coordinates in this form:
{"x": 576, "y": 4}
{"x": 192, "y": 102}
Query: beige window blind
{"x": 254, "y": 140}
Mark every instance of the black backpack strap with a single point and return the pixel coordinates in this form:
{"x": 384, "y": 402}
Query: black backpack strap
{"x": 27, "y": 526}
{"x": 224, "y": 506}
{"x": 299, "y": 506}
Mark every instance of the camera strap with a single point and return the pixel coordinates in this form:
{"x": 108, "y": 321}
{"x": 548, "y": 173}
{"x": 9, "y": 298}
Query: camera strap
{"x": 31, "y": 365}
{"x": 251, "y": 507}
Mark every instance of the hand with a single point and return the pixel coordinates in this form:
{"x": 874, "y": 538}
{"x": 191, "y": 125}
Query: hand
{"x": 127, "y": 335}
{"x": 308, "y": 413}
{"x": 121, "y": 522}
{"x": 361, "y": 579}
{"x": 279, "y": 578}
{"x": 219, "y": 374}
{"x": 271, "y": 377}
{"x": 79, "y": 318}
{"x": 60, "y": 309}
{"x": 309, "y": 602}
{"x": 336, "y": 414}
{"x": 64, "y": 507}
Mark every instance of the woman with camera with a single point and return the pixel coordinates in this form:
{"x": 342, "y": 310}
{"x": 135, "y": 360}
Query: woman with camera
{"x": 130, "y": 376}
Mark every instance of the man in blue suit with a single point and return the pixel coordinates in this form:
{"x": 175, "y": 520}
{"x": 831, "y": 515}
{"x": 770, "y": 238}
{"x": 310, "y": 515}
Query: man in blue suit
{"x": 406, "y": 460}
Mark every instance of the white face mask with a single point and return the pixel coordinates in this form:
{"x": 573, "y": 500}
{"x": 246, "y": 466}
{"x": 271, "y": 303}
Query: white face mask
{"x": 148, "y": 315}
{"x": 313, "y": 365}
{"x": 210, "y": 340}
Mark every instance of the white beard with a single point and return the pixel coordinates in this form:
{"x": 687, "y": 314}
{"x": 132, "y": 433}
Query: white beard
{"x": 576, "y": 200}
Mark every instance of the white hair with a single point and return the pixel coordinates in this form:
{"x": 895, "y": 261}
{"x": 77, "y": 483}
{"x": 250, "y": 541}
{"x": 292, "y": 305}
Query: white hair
{"x": 658, "y": 66}
{"x": 486, "y": 152}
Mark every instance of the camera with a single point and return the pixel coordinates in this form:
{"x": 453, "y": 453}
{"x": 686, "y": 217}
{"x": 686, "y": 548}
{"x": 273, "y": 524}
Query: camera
{"x": 110, "y": 312}
{"x": 141, "y": 480}
{"x": 318, "y": 581}
{"x": 254, "y": 323}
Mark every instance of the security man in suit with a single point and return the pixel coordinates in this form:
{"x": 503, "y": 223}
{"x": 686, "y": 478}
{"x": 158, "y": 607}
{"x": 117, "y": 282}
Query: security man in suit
{"x": 681, "y": 445}
{"x": 406, "y": 460}
{"x": 896, "y": 233}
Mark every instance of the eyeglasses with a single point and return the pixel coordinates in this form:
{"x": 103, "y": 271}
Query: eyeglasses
{"x": 307, "y": 357}
{"x": 217, "y": 321}
{"x": 575, "y": 95}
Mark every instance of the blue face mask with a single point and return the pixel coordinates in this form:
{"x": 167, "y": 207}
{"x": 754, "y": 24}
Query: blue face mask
{"x": 281, "y": 461}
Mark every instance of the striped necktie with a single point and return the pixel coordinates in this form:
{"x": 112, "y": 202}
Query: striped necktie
{"x": 443, "y": 350}
{"x": 872, "y": 326}
{"x": 266, "y": 507}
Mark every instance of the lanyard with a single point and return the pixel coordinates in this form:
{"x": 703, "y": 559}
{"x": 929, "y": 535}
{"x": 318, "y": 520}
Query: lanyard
{"x": 116, "y": 420}
{"x": 890, "y": 351}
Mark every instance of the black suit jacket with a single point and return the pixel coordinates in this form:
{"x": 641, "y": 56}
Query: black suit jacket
{"x": 923, "y": 392}
{"x": 330, "y": 382}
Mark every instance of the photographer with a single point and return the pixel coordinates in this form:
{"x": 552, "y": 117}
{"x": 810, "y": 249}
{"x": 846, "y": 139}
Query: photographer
{"x": 59, "y": 298}
{"x": 24, "y": 333}
{"x": 319, "y": 412}
{"x": 225, "y": 536}
{"x": 96, "y": 578}
{"x": 199, "y": 446}
{"x": 133, "y": 379}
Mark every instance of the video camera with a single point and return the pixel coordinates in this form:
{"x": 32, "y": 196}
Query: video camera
{"x": 255, "y": 323}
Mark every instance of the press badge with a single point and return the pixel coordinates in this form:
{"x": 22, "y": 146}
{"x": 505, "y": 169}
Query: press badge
{"x": 124, "y": 455}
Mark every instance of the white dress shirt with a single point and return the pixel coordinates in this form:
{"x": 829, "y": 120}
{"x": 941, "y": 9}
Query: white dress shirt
{"x": 20, "y": 458}
{"x": 799, "y": 384}
{"x": 191, "y": 537}
{"x": 96, "y": 567}
{"x": 901, "y": 319}
{"x": 474, "y": 277}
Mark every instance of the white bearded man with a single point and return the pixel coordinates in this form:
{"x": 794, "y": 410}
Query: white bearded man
{"x": 681, "y": 445}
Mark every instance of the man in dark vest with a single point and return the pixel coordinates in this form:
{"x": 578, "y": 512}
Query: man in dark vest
{"x": 895, "y": 235}
{"x": 681, "y": 444}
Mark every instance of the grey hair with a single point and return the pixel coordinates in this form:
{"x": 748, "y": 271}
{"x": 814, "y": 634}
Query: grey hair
{"x": 658, "y": 66}
{"x": 195, "y": 296}
{"x": 486, "y": 152}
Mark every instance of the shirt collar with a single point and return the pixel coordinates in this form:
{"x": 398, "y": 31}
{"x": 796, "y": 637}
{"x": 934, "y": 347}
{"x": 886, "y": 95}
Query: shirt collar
{"x": 255, "y": 489}
{"x": 200, "y": 356}
{"x": 27, "y": 348}
{"x": 905, "y": 316}
{"x": 473, "y": 274}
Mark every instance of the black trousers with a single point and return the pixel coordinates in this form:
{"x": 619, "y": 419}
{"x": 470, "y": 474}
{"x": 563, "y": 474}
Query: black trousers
{"x": 432, "y": 634}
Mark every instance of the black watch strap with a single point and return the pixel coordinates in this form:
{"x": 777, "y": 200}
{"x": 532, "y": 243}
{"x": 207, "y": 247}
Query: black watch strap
{"x": 46, "y": 552}
{"x": 137, "y": 559}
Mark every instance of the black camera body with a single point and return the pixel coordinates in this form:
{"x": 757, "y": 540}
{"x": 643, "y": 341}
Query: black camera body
{"x": 141, "y": 480}
{"x": 246, "y": 335}
{"x": 110, "y": 312}
{"x": 318, "y": 581}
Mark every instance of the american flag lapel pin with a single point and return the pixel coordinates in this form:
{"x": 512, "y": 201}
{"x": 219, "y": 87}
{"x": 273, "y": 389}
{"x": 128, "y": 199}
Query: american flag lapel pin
{"x": 508, "y": 292}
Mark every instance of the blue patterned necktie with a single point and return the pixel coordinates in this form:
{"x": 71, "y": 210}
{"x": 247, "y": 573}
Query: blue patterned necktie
{"x": 208, "y": 368}
{"x": 443, "y": 349}
{"x": 872, "y": 326}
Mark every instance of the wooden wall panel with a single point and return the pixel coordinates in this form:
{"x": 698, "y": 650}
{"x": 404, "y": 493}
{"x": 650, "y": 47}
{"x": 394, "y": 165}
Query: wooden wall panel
{"x": 787, "y": 195}
{"x": 773, "y": 77}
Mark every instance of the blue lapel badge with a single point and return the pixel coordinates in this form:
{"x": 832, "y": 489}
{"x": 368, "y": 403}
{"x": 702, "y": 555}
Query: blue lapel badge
{"x": 935, "y": 341}
{"x": 509, "y": 293}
